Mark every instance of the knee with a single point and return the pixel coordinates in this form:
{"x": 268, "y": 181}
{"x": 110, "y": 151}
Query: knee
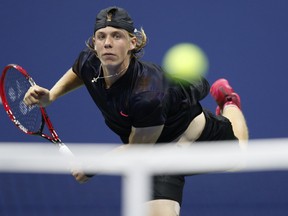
{"x": 163, "y": 207}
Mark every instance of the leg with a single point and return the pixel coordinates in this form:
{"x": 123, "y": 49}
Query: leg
{"x": 229, "y": 105}
{"x": 235, "y": 115}
{"x": 167, "y": 195}
{"x": 163, "y": 207}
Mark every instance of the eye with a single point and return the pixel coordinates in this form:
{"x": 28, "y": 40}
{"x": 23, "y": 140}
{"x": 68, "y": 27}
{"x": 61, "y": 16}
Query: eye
{"x": 117, "y": 36}
{"x": 100, "y": 36}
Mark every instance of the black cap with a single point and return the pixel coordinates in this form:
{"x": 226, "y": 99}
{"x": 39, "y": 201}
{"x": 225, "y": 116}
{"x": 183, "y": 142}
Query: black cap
{"x": 115, "y": 17}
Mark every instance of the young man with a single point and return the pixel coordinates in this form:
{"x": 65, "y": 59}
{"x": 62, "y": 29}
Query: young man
{"x": 140, "y": 104}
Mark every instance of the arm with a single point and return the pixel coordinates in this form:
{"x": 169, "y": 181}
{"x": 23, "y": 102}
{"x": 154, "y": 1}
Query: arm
{"x": 42, "y": 96}
{"x": 145, "y": 135}
{"x": 68, "y": 82}
{"x": 137, "y": 135}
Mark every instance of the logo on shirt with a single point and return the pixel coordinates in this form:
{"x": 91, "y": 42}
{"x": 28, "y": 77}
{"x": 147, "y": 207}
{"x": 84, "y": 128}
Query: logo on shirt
{"x": 123, "y": 114}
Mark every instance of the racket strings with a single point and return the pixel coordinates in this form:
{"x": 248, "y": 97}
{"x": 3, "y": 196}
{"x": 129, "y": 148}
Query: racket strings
{"x": 29, "y": 118}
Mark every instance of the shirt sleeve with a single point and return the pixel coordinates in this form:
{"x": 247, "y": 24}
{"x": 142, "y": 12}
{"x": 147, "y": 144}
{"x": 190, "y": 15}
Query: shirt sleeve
{"x": 200, "y": 89}
{"x": 197, "y": 90}
{"x": 85, "y": 56}
{"x": 77, "y": 65}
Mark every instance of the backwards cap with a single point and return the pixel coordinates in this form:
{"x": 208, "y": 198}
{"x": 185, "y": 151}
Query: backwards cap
{"x": 115, "y": 17}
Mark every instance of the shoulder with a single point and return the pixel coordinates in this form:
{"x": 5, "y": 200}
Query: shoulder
{"x": 150, "y": 76}
{"x": 151, "y": 67}
{"x": 85, "y": 59}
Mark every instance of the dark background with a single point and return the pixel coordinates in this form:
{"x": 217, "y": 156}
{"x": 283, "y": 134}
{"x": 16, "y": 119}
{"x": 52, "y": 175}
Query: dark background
{"x": 245, "y": 41}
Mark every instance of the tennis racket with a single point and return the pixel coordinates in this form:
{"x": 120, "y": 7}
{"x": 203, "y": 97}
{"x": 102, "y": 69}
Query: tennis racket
{"x": 14, "y": 83}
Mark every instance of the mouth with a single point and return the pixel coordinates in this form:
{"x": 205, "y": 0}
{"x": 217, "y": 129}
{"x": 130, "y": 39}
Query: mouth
{"x": 108, "y": 54}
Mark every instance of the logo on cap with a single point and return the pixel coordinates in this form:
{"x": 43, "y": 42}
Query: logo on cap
{"x": 109, "y": 17}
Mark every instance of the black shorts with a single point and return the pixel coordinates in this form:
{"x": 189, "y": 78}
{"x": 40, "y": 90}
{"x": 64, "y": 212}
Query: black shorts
{"x": 168, "y": 187}
{"x": 171, "y": 187}
{"x": 216, "y": 128}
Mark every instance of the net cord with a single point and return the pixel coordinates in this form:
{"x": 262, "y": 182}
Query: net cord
{"x": 139, "y": 163}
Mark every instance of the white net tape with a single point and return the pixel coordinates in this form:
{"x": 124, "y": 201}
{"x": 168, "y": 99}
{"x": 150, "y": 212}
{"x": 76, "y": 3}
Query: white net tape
{"x": 137, "y": 164}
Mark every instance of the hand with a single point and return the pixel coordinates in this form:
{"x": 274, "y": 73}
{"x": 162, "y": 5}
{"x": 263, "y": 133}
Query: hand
{"x": 80, "y": 176}
{"x": 37, "y": 95}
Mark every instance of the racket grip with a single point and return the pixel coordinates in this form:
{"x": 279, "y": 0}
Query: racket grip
{"x": 63, "y": 149}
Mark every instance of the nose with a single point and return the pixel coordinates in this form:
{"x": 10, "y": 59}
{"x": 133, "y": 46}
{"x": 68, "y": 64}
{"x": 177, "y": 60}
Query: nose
{"x": 108, "y": 42}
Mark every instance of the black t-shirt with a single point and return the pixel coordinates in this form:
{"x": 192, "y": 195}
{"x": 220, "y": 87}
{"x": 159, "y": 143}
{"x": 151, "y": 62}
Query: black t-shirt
{"x": 142, "y": 97}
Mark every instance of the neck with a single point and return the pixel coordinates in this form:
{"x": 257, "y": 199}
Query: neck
{"x": 112, "y": 74}
{"x": 109, "y": 70}
{"x": 113, "y": 70}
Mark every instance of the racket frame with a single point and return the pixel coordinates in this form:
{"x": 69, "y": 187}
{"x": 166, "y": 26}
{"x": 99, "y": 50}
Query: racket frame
{"x": 45, "y": 119}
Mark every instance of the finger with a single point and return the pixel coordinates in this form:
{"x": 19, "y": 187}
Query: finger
{"x": 35, "y": 94}
{"x": 31, "y": 97}
{"x": 29, "y": 101}
{"x": 41, "y": 91}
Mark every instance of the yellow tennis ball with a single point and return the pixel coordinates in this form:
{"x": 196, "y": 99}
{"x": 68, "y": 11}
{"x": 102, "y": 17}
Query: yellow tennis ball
{"x": 185, "y": 61}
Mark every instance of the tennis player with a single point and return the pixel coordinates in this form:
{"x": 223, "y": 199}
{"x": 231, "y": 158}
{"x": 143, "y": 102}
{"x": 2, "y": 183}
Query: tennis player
{"x": 140, "y": 104}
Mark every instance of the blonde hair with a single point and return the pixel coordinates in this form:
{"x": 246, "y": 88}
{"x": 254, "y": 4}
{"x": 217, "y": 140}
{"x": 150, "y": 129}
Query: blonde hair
{"x": 137, "y": 53}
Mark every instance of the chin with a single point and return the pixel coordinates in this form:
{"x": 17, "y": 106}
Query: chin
{"x": 109, "y": 63}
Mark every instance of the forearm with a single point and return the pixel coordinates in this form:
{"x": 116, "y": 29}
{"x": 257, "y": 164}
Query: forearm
{"x": 145, "y": 135}
{"x": 68, "y": 82}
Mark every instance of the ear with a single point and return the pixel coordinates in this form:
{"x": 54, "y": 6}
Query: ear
{"x": 133, "y": 43}
{"x": 93, "y": 42}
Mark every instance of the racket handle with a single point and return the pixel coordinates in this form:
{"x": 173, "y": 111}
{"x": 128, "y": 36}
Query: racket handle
{"x": 63, "y": 149}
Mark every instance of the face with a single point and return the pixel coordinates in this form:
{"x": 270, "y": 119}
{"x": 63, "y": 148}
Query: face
{"x": 113, "y": 46}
